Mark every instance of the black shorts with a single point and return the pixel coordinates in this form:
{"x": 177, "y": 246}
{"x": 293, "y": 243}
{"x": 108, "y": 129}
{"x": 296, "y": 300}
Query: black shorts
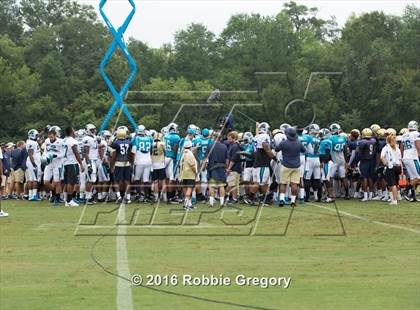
{"x": 122, "y": 174}
{"x": 71, "y": 174}
{"x": 159, "y": 174}
{"x": 188, "y": 183}
{"x": 392, "y": 176}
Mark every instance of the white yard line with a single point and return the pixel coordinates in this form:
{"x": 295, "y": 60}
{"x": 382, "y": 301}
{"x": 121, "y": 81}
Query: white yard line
{"x": 124, "y": 296}
{"x": 366, "y": 219}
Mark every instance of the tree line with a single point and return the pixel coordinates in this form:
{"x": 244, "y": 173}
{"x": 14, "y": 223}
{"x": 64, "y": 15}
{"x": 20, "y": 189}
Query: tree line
{"x": 50, "y": 51}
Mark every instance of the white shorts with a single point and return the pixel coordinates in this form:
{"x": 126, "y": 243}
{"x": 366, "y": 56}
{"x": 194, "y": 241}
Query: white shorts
{"x": 34, "y": 174}
{"x": 142, "y": 173}
{"x": 413, "y": 168}
{"x": 53, "y": 172}
{"x": 247, "y": 174}
{"x": 337, "y": 169}
{"x": 302, "y": 165}
{"x": 91, "y": 177}
{"x": 312, "y": 168}
{"x": 261, "y": 175}
{"x": 103, "y": 173}
{"x": 169, "y": 168}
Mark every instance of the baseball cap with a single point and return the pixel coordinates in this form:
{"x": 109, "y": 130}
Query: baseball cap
{"x": 187, "y": 144}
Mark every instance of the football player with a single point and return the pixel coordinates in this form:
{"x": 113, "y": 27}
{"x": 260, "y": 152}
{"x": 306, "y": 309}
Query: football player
{"x": 142, "y": 150}
{"x": 338, "y": 156}
{"x": 91, "y": 156}
{"x": 205, "y": 142}
{"x": 172, "y": 140}
{"x": 54, "y": 152}
{"x": 313, "y": 165}
{"x": 103, "y": 166}
{"x": 410, "y": 147}
{"x": 248, "y": 152}
{"x": 263, "y": 156}
{"x": 72, "y": 162}
{"x": 367, "y": 154}
{"x": 121, "y": 162}
{"x": 33, "y": 164}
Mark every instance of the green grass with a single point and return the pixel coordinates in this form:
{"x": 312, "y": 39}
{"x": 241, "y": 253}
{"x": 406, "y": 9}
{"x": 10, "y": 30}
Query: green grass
{"x": 43, "y": 265}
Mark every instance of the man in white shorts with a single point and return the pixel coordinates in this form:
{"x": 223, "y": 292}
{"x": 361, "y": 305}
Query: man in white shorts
{"x": 411, "y": 151}
{"x": 33, "y": 164}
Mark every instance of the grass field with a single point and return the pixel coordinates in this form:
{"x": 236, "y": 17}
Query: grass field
{"x": 376, "y": 265}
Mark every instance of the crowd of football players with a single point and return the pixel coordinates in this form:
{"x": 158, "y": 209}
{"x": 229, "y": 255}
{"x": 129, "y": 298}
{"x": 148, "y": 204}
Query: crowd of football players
{"x": 87, "y": 167}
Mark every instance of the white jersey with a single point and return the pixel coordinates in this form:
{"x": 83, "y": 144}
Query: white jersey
{"x": 277, "y": 139}
{"x": 409, "y": 143}
{"x": 33, "y": 145}
{"x": 55, "y": 149}
{"x": 93, "y": 147}
{"x": 69, "y": 156}
{"x": 260, "y": 139}
{"x": 106, "y": 148}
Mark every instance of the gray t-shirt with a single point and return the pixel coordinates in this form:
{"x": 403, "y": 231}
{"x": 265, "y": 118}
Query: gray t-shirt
{"x": 291, "y": 153}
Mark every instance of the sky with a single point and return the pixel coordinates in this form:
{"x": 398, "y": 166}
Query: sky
{"x": 156, "y": 21}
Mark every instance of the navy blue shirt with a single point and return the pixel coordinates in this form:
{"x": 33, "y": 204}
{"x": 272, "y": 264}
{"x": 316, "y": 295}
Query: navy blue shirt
{"x": 123, "y": 149}
{"x": 367, "y": 149}
{"x": 217, "y": 157}
{"x": 18, "y": 159}
{"x": 233, "y": 155}
{"x": 291, "y": 151}
{"x": 6, "y": 163}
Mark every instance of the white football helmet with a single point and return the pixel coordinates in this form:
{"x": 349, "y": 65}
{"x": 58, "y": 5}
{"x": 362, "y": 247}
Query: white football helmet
{"x": 247, "y": 138}
{"x": 335, "y": 128}
{"x": 91, "y": 130}
{"x": 164, "y": 130}
{"x": 80, "y": 134}
{"x": 106, "y": 135}
{"x": 33, "y": 134}
{"x": 324, "y": 133}
{"x": 283, "y": 127}
{"x": 173, "y": 128}
{"x": 263, "y": 127}
{"x": 141, "y": 130}
{"x": 57, "y": 130}
{"x": 413, "y": 125}
{"x": 313, "y": 129}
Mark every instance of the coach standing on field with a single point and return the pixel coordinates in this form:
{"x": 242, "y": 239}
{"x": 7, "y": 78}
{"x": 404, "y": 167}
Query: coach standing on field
{"x": 217, "y": 156}
{"x": 290, "y": 171}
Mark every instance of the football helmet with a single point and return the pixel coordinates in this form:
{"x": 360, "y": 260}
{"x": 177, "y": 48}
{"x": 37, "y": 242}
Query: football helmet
{"x": 391, "y": 132}
{"x": 247, "y": 138}
{"x": 367, "y": 133}
{"x": 313, "y": 129}
{"x": 375, "y": 128}
{"x": 276, "y": 131}
{"x": 121, "y": 133}
{"x": 403, "y": 131}
{"x": 206, "y": 132}
{"x": 152, "y": 133}
{"x": 80, "y": 134}
{"x": 283, "y": 127}
{"x": 413, "y": 125}
{"x": 57, "y": 130}
{"x": 91, "y": 130}
{"x": 141, "y": 130}
{"x": 164, "y": 130}
{"x": 33, "y": 134}
{"x": 106, "y": 135}
{"x": 381, "y": 133}
{"x": 324, "y": 133}
{"x": 173, "y": 128}
{"x": 263, "y": 127}
{"x": 335, "y": 128}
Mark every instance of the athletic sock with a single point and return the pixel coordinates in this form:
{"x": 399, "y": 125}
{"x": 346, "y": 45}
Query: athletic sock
{"x": 69, "y": 197}
{"x": 365, "y": 195}
{"x": 282, "y": 196}
{"x": 293, "y": 199}
{"x": 211, "y": 200}
{"x": 222, "y": 201}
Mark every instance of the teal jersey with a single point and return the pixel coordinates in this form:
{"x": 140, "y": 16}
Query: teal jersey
{"x": 180, "y": 147}
{"x": 325, "y": 145}
{"x": 314, "y": 152}
{"x": 143, "y": 144}
{"x": 171, "y": 140}
{"x": 306, "y": 140}
{"x": 205, "y": 143}
{"x": 196, "y": 141}
{"x": 338, "y": 143}
{"x": 249, "y": 148}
